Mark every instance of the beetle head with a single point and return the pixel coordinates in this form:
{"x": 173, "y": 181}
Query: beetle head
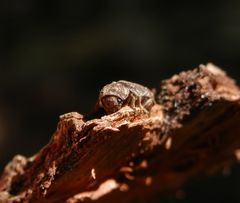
{"x": 112, "y": 97}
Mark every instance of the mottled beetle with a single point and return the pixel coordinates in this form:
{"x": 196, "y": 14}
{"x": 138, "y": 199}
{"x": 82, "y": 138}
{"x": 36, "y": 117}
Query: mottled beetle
{"x": 115, "y": 95}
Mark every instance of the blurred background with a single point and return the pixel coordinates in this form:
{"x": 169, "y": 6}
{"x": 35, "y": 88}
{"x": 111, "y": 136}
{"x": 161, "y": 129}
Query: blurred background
{"x": 56, "y": 55}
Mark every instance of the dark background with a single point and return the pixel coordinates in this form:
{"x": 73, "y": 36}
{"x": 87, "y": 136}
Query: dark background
{"x": 56, "y": 55}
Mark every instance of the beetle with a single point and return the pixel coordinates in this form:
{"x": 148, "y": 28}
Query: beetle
{"x": 122, "y": 93}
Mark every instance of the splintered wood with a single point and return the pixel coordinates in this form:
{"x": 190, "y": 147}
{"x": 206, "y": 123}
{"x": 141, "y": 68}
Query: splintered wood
{"x": 131, "y": 154}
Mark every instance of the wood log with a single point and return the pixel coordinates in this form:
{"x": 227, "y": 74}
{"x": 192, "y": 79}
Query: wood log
{"x": 130, "y": 155}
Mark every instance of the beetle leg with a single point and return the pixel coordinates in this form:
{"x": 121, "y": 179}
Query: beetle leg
{"x": 130, "y": 101}
{"x": 148, "y": 104}
{"x": 140, "y": 105}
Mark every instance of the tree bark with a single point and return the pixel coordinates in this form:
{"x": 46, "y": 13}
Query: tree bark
{"x": 131, "y": 155}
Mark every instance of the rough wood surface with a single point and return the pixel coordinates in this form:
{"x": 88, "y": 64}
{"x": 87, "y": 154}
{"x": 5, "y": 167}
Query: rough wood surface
{"x": 129, "y": 156}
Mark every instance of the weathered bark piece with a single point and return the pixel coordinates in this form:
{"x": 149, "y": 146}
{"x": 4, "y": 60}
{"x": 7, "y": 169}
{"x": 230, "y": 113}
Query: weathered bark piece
{"x": 130, "y": 155}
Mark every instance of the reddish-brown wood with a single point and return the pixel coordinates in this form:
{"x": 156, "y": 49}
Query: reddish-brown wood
{"x": 130, "y": 155}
